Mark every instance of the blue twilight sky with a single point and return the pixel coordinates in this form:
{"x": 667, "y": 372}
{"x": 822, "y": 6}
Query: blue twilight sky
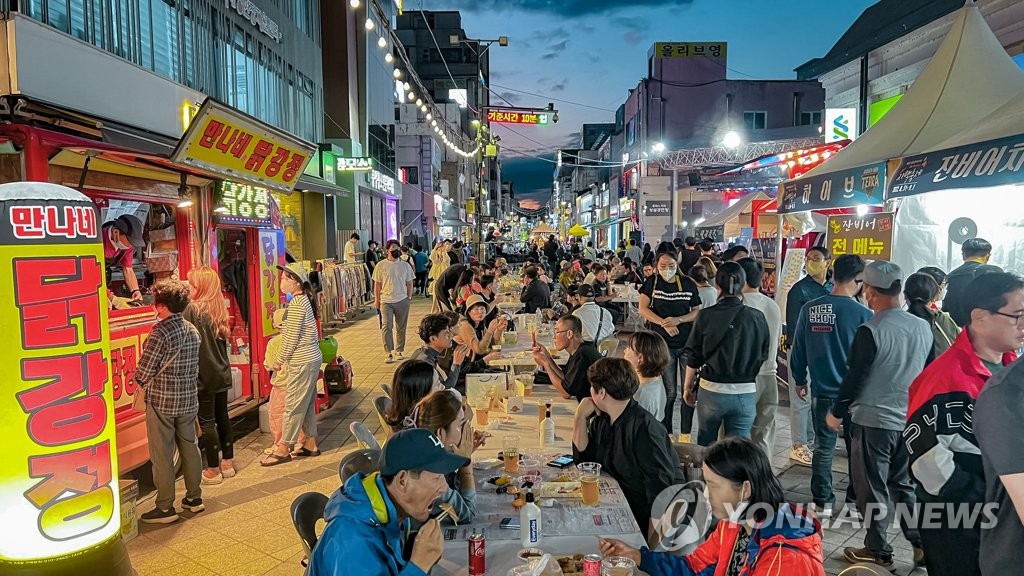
{"x": 593, "y": 52}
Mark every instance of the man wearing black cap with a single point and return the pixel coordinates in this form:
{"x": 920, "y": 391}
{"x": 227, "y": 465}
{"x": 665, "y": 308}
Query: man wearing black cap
{"x": 976, "y": 253}
{"x": 598, "y": 323}
{"x": 368, "y": 517}
{"x": 121, "y": 237}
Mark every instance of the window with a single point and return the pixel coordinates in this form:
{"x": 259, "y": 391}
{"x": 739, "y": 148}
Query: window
{"x": 755, "y": 120}
{"x": 810, "y": 118}
{"x": 410, "y": 174}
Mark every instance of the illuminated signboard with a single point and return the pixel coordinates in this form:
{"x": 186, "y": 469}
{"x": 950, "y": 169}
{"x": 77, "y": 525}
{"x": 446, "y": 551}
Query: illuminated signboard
{"x": 246, "y": 204}
{"x": 355, "y": 164}
{"x": 840, "y": 124}
{"x": 512, "y": 117}
{"x": 690, "y": 49}
{"x": 58, "y": 478}
{"x": 227, "y": 142}
{"x": 382, "y": 182}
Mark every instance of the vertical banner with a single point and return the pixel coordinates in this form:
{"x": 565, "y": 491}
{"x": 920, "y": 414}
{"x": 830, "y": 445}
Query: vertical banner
{"x": 271, "y": 255}
{"x": 58, "y": 476}
{"x": 791, "y": 273}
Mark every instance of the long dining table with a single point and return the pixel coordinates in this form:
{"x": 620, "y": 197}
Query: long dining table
{"x": 568, "y": 527}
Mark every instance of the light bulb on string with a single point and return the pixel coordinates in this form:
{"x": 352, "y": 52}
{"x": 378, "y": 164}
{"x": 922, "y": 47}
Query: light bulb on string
{"x": 397, "y": 73}
{"x": 405, "y": 85}
{"x": 423, "y": 108}
{"x": 419, "y": 102}
{"x": 430, "y": 116}
{"x": 382, "y": 42}
{"x": 369, "y": 24}
{"x": 389, "y": 58}
{"x": 354, "y": 3}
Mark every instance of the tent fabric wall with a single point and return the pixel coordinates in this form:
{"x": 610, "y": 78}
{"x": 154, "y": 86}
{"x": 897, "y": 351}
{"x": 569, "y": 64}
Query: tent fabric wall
{"x": 922, "y": 237}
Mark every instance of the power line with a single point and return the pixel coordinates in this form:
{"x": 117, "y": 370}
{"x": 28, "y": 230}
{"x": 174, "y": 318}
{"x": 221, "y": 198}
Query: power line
{"x": 580, "y": 104}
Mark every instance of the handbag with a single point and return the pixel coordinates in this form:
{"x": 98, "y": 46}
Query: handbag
{"x": 139, "y": 400}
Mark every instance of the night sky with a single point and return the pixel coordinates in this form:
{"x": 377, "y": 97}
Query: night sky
{"x": 591, "y": 52}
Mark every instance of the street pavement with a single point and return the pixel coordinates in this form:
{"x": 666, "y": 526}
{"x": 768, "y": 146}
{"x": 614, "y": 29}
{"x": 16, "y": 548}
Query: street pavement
{"x": 247, "y": 528}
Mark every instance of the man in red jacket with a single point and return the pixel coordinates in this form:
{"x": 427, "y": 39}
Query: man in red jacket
{"x": 945, "y": 459}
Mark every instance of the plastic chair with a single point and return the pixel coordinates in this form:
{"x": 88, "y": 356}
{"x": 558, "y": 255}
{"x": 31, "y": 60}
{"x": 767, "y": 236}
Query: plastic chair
{"x": 366, "y": 461}
{"x": 387, "y": 389}
{"x": 381, "y": 405}
{"x": 307, "y": 509}
{"x": 364, "y": 437}
{"x": 608, "y": 346}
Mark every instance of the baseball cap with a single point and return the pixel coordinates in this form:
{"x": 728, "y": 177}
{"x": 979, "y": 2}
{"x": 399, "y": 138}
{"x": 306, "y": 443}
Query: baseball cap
{"x": 475, "y": 300}
{"x": 418, "y": 449}
{"x": 882, "y": 274}
{"x": 585, "y": 290}
{"x": 131, "y": 227}
{"x": 296, "y": 269}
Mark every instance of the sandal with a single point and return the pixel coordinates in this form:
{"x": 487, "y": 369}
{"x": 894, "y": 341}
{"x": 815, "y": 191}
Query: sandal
{"x": 275, "y": 459}
{"x": 305, "y": 452}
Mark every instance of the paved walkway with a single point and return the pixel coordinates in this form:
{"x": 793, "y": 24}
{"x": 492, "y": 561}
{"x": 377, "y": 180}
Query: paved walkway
{"x": 247, "y": 529}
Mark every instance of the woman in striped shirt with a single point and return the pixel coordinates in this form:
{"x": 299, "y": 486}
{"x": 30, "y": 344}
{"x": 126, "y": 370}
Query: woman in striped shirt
{"x": 299, "y": 365}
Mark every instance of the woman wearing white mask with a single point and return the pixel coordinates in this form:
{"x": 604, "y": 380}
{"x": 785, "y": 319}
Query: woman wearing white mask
{"x": 669, "y": 303}
{"x": 760, "y": 534}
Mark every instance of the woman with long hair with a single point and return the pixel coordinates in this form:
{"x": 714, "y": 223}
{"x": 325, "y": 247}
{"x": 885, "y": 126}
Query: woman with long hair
{"x": 439, "y": 262}
{"x": 443, "y": 413}
{"x": 208, "y": 313}
{"x": 921, "y": 291}
{"x": 465, "y": 287}
{"x": 300, "y": 360}
{"x": 412, "y": 381}
{"x": 759, "y": 533}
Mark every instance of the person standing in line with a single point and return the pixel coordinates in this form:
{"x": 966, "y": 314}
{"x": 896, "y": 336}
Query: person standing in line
{"x": 702, "y": 278}
{"x": 300, "y": 360}
{"x": 439, "y": 262}
{"x": 208, "y": 313}
{"x": 728, "y": 344}
{"x": 888, "y": 353}
{"x": 168, "y": 372}
{"x": 689, "y": 255}
{"x": 997, "y": 414}
{"x": 822, "y": 336}
{"x": 392, "y": 294}
{"x": 763, "y": 432}
{"x": 814, "y": 285}
{"x": 669, "y": 302}
{"x": 351, "y": 249}
{"x": 551, "y": 249}
{"x": 945, "y": 461}
{"x": 275, "y": 407}
{"x": 419, "y": 260}
{"x": 648, "y": 354}
{"x": 919, "y": 293}
{"x": 976, "y": 253}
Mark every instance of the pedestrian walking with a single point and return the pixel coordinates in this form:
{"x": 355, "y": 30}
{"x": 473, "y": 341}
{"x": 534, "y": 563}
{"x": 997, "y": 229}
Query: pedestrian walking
{"x": 299, "y": 360}
{"x": 168, "y": 375}
{"x": 392, "y": 294}
{"x": 208, "y": 313}
{"x": 763, "y": 432}
{"x": 420, "y": 259}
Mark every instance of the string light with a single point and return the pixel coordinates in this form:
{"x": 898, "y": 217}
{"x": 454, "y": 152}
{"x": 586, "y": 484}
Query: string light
{"x": 369, "y": 23}
{"x": 382, "y": 42}
{"x": 397, "y": 73}
{"x": 389, "y": 58}
{"x": 354, "y": 3}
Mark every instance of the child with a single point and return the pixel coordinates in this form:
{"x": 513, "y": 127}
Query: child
{"x": 277, "y": 392}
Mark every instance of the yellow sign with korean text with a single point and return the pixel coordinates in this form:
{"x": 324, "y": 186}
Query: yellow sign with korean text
{"x": 232, "y": 144}
{"x": 690, "y": 49}
{"x": 868, "y": 236}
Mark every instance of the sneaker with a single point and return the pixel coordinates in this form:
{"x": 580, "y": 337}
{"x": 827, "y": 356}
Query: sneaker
{"x": 822, "y": 511}
{"x": 227, "y": 468}
{"x": 801, "y": 455}
{"x": 399, "y": 355}
{"x": 918, "y": 556}
{"x": 390, "y": 359}
{"x": 158, "y": 516}
{"x": 855, "y": 555}
{"x": 217, "y": 478}
{"x": 193, "y": 504}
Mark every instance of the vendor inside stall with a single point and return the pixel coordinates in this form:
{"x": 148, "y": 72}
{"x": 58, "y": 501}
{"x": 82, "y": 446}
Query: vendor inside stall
{"x": 121, "y": 236}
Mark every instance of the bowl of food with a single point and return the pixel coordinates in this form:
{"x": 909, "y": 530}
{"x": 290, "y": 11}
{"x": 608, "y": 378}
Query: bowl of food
{"x": 530, "y": 555}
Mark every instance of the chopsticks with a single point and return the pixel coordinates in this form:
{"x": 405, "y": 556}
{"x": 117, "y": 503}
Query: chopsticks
{"x": 447, "y": 510}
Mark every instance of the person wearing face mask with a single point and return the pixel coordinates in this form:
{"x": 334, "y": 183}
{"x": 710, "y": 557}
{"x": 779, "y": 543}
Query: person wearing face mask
{"x": 729, "y": 344}
{"x": 759, "y": 534}
{"x": 814, "y": 285}
{"x": 392, "y": 294}
{"x": 669, "y": 302}
{"x": 121, "y": 237}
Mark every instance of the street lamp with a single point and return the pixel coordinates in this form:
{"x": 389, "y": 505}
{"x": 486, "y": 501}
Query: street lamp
{"x": 658, "y": 148}
{"x": 731, "y": 139}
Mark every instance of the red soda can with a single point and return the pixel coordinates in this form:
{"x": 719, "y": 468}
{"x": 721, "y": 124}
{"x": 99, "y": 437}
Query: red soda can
{"x": 592, "y": 565}
{"x": 477, "y": 555}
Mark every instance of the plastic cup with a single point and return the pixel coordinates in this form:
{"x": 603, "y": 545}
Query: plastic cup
{"x": 482, "y": 417}
{"x": 618, "y": 566}
{"x": 510, "y": 446}
{"x": 590, "y": 477}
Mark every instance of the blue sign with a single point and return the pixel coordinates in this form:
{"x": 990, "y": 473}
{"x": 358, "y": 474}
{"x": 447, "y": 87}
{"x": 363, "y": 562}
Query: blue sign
{"x": 842, "y": 189}
{"x": 977, "y": 165}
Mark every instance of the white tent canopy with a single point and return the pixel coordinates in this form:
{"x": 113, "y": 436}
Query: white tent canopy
{"x": 1004, "y": 122}
{"x": 543, "y": 229}
{"x": 733, "y": 212}
{"x": 969, "y": 77}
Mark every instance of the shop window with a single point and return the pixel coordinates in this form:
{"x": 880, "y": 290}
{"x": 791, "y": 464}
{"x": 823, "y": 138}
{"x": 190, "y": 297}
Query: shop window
{"x": 755, "y": 120}
{"x": 57, "y": 14}
{"x": 157, "y": 260}
{"x": 810, "y": 118}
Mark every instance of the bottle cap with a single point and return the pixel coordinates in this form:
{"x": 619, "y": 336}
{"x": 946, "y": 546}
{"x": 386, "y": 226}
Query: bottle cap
{"x": 529, "y": 496}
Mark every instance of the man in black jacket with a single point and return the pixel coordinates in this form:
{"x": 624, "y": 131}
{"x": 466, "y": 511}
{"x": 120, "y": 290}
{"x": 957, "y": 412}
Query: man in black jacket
{"x": 628, "y": 442}
{"x": 536, "y": 294}
{"x": 976, "y": 253}
{"x": 728, "y": 344}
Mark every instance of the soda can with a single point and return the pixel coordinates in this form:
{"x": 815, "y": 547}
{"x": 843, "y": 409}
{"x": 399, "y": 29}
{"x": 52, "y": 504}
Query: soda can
{"x": 592, "y": 565}
{"x": 477, "y": 555}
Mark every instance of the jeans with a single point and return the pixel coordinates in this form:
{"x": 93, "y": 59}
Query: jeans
{"x": 879, "y": 468}
{"x": 763, "y": 431}
{"x": 674, "y": 377}
{"x": 801, "y": 426}
{"x": 165, "y": 434}
{"x": 397, "y": 313}
{"x": 217, "y": 437}
{"x": 824, "y": 450}
{"x": 732, "y": 412}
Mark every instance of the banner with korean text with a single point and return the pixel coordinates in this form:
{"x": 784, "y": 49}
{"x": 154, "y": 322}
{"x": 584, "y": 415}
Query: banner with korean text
{"x": 841, "y": 189}
{"x": 868, "y": 236}
{"x": 979, "y": 165}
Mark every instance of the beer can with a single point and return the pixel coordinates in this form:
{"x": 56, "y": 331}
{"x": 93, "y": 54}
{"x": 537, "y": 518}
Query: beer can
{"x": 477, "y": 555}
{"x": 592, "y": 565}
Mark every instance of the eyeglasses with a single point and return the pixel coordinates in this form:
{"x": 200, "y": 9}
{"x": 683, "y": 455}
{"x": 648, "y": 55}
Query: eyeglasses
{"x": 1016, "y": 317}
{"x": 557, "y": 332}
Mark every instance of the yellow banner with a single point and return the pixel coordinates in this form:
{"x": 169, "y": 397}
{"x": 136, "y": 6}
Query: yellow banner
{"x": 229, "y": 143}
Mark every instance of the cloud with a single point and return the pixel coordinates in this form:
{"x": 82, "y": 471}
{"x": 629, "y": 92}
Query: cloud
{"x": 636, "y": 30}
{"x": 593, "y": 58}
{"x": 559, "y": 46}
{"x": 510, "y": 97}
{"x": 549, "y": 56}
{"x": 529, "y": 204}
{"x": 560, "y": 86}
{"x": 573, "y": 139}
{"x": 562, "y": 8}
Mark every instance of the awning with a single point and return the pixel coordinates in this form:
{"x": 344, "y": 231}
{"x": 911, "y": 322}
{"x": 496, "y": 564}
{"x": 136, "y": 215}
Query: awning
{"x": 313, "y": 184}
{"x": 609, "y": 222}
{"x": 733, "y": 212}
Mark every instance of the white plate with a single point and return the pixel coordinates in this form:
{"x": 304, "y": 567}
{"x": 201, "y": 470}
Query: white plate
{"x": 487, "y": 464}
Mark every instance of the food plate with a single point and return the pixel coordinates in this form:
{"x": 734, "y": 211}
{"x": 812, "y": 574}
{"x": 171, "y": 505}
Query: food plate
{"x": 571, "y": 564}
{"x": 486, "y": 464}
{"x": 560, "y": 490}
{"x": 530, "y": 554}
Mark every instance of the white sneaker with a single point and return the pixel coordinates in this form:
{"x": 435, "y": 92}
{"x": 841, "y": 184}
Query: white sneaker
{"x": 801, "y": 455}
{"x": 212, "y": 480}
{"x": 390, "y": 359}
{"x": 399, "y": 355}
